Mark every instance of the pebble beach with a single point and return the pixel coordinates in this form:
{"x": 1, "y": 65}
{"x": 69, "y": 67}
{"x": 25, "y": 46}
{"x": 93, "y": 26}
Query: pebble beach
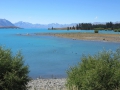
{"x": 47, "y": 84}
{"x": 86, "y": 36}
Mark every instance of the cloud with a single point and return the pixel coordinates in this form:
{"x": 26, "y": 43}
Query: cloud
{"x": 96, "y": 17}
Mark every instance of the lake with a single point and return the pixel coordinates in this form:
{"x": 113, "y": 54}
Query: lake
{"x": 49, "y": 56}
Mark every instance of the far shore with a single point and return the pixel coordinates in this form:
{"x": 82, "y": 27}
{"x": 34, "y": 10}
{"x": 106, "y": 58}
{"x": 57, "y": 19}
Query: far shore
{"x": 86, "y": 36}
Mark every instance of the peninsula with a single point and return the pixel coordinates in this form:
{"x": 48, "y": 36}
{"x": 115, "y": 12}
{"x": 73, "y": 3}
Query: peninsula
{"x": 86, "y": 36}
{"x": 10, "y": 27}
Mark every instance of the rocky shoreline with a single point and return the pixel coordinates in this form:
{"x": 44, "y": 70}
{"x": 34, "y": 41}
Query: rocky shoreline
{"x": 86, "y": 36}
{"x": 82, "y": 36}
{"x": 47, "y": 84}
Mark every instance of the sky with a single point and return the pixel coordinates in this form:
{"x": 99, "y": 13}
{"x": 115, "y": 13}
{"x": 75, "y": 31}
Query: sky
{"x": 60, "y": 11}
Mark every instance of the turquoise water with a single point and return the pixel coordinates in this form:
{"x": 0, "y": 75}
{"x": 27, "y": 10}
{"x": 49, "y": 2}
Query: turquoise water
{"x": 47, "y": 55}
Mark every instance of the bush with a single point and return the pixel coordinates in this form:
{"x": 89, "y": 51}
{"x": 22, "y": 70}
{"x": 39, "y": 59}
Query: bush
{"x": 116, "y": 30}
{"x": 98, "y": 72}
{"x": 96, "y": 31}
{"x": 13, "y": 73}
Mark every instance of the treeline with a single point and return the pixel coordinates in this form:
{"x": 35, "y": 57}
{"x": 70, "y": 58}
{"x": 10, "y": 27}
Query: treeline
{"x": 90, "y": 26}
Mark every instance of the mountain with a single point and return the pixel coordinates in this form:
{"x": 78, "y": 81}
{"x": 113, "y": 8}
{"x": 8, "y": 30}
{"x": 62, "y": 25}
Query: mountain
{"x": 30, "y": 25}
{"x": 5, "y": 23}
{"x": 95, "y": 23}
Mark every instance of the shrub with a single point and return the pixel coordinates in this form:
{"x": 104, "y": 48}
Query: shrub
{"x": 13, "y": 73}
{"x": 96, "y": 31}
{"x": 116, "y": 30}
{"x": 98, "y": 72}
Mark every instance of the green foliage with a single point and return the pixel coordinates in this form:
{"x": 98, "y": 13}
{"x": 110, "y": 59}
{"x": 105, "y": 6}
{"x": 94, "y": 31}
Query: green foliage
{"x": 68, "y": 28}
{"x": 117, "y": 30}
{"x": 98, "y": 28}
{"x": 86, "y": 26}
{"x": 108, "y": 29}
{"x": 109, "y": 25}
{"x": 13, "y": 73}
{"x": 52, "y": 28}
{"x": 96, "y": 31}
{"x": 98, "y": 72}
{"x": 90, "y": 26}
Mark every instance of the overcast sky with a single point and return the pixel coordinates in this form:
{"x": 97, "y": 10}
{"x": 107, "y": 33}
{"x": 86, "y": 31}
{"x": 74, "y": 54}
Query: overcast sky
{"x": 60, "y": 11}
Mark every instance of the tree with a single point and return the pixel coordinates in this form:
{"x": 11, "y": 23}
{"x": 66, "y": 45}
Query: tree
{"x": 85, "y": 26}
{"x": 98, "y": 72}
{"x": 52, "y": 28}
{"x": 13, "y": 72}
{"x": 116, "y": 26}
{"x": 73, "y": 27}
{"x": 109, "y": 25}
{"x": 77, "y": 27}
{"x": 67, "y": 28}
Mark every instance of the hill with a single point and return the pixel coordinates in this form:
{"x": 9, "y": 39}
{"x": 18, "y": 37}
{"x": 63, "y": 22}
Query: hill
{"x": 6, "y": 24}
{"x": 30, "y": 25}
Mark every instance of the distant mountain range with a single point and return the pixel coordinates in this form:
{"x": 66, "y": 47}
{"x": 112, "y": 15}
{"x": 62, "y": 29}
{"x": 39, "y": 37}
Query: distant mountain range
{"x": 7, "y": 24}
{"x": 54, "y": 25}
{"x": 30, "y": 25}
{"x": 21, "y": 24}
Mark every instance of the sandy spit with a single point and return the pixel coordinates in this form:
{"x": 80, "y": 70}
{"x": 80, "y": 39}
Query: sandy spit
{"x": 86, "y": 36}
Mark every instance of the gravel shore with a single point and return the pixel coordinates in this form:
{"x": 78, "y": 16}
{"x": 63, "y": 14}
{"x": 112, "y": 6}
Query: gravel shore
{"x": 87, "y": 36}
{"x": 83, "y": 36}
{"x": 47, "y": 84}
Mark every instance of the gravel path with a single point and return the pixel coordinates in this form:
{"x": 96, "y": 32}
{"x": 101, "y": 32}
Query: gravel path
{"x": 47, "y": 84}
